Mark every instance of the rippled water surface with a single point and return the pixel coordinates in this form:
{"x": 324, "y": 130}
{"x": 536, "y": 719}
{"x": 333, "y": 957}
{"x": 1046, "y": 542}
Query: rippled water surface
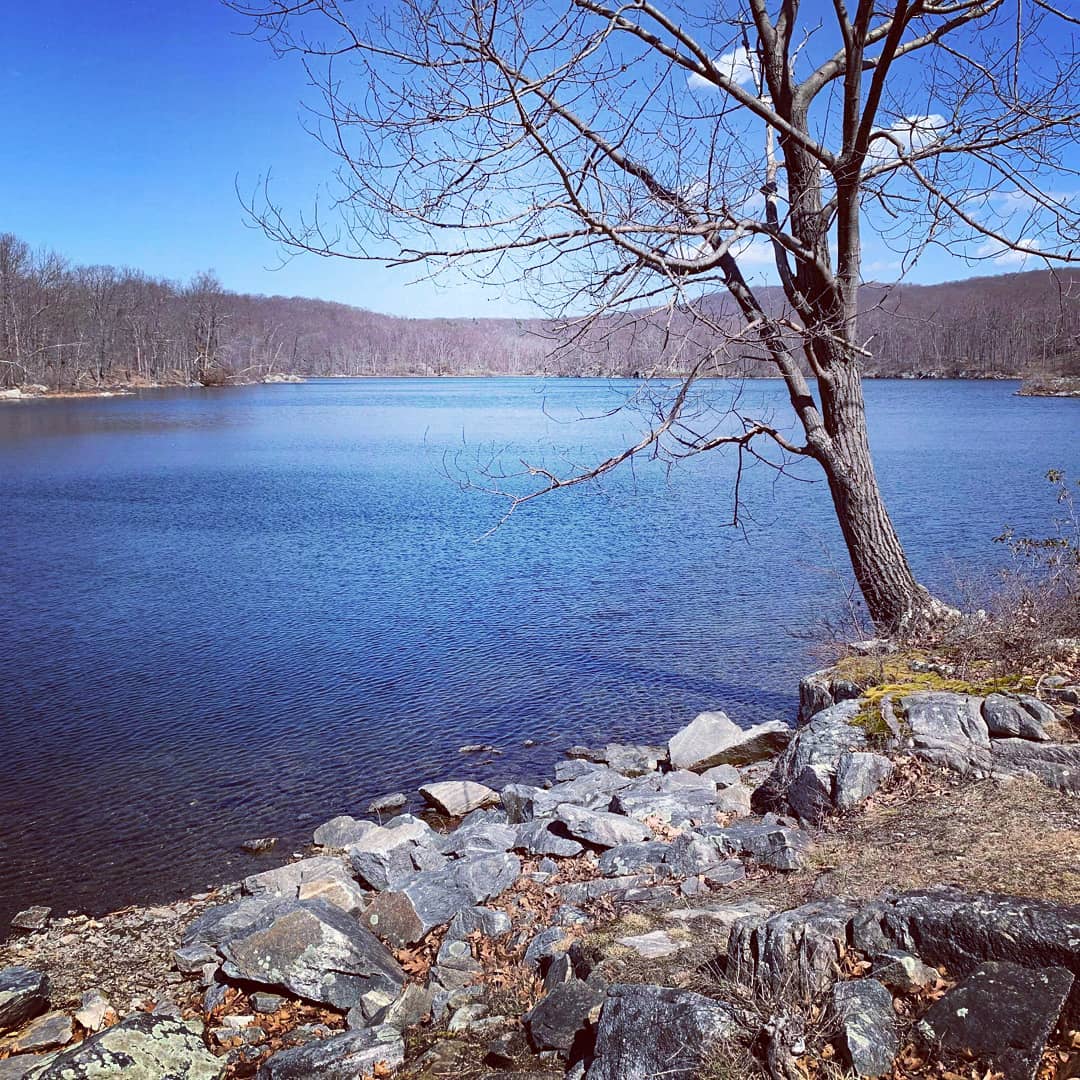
{"x": 236, "y": 613}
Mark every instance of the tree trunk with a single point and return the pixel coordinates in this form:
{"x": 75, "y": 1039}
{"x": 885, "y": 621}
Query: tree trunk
{"x": 896, "y": 601}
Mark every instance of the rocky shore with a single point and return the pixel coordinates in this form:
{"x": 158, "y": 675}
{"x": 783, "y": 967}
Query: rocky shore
{"x": 891, "y": 889}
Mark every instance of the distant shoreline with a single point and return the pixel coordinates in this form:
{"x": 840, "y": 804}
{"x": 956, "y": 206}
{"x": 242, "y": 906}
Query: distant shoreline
{"x": 1055, "y": 387}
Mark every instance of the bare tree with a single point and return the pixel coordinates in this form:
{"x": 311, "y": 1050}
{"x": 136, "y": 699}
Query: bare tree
{"x": 623, "y": 155}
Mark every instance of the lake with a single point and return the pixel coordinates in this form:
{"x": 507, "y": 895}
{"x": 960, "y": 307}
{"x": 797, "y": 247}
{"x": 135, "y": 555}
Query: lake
{"x": 236, "y": 613}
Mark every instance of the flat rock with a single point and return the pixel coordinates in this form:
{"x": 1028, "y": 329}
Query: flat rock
{"x": 348, "y": 1056}
{"x": 646, "y": 1032}
{"x": 315, "y": 951}
{"x": 458, "y": 797}
{"x": 869, "y": 1040}
{"x": 633, "y": 760}
{"x": 653, "y": 945}
{"x": 33, "y": 918}
{"x": 45, "y": 1032}
{"x": 284, "y": 881}
{"x": 948, "y": 729}
{"x": 636, "y": 858}
{"x": 483, "y": 838}
{"x": 1001, "y": 1013}
{"x": 712, "y": 738}
{"x": 601, "y": 829}
{"x": 680, "y": 807}
{"x": 24, "y": 994}
{"x": 1055, "y": 764}
{"x": 92, "y": 1011}
{"x": 537, "y": 838}
{"x": 561, "y": 1018}
{"x": 142, "y": 1047}
{"x": 1006, "y": 717}
{"x": 341, "y": 831}
{"x": 958, "y": 930}
{"x": 900, "y": 970}
{"x": 388, "y": 803}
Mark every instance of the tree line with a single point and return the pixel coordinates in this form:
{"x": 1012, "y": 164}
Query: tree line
{"x": 67, "y": 327}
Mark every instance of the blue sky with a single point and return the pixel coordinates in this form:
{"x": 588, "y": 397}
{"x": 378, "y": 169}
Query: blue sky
{"x": 128, "y": 123}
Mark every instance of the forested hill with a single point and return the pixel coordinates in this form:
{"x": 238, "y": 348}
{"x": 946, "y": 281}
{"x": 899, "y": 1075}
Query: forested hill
{"x": 81, "y": 326}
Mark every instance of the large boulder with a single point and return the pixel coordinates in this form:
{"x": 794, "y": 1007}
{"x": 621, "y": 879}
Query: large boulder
{"x": 1002, "y": 1014}
{"x": 1055, "y": 764}
{"x": 319, "y": 876}
{"x": 650, "y": 1031}
{"x": 1008, "y": 717}
{"x": 948, "y": 729}
{"x": 712, "y": 738}
{"x": 23, "y": 995}
{"x": 960, "y": 930}
{"x": 858, "y": 775}
{"x": 308, "y": 947}
{"x": 797, "y": 951}
{"x": 341, "y": 831}
{"x": 348, "y": 1056}
{"x": 803, "y": 778}
{"x": 142, "y": 1047}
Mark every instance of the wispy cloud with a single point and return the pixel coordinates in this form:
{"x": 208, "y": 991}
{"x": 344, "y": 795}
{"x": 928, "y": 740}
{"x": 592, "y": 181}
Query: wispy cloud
{"x": 908, "y": 134}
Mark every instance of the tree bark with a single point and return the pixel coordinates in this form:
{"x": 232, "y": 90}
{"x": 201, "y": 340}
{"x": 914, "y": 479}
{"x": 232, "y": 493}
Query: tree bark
{"x": 895, "y": 600}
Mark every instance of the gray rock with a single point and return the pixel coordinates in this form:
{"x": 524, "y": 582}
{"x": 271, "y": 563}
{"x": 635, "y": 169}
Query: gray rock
{"x": 341, "y": 831}
{"x": 858, "y": 776}
{"x": 141, "y": 1047}
{"x": 191, "y": 959}
{"x": 458, "y": 797}
{"x": 1001, "y": 1013}
{"x": 545, "y": 945}
{"x": 650, "y": 1031}
{"x": 810, "y": 794}
{"x": 869, "y": 1041}
{"x": 347, "y": 1056}
{"x": 455, "y": 966}
{"x": 712, "y": 738}
{"x": 537, "y": 838}
{"x": 46, "y": 1032}
{"x": 220, "y": 924}
{"x": 572, "y": 769}
{"x": 387, "y": 856}
{"x": 563, "y": 1017}
{"x": 20, "y": 1067}
{"x": 33, "y": 918}
{"x": 900, "y": 970}
{"x": 408, "y": 1010}
{"x": 387, "y": 803}
{"x": 723, "y": 776}
{"x": 489, "y": 921}
{"x": 633, "y": 760}
{"x": 284, "y": 881}
{"x": 315, "y": 951}
{"x": 817, "y": 746}
{"x": 774, "y": 845}
{"x": 259, "y": 845}
{"x": 404, "y": 915}
{"x": 519, "y": 801}
{"x": 798, "y": 951}
{"x": 633, "y": 858}
{"x": 1055, "y": 764}
{"x": 948, "y": 729}
{"x": 726, "y": 873}
{"x": 483, "y": 838}
{"x": 733, "y": 800}
{"x": 600, "y": 829}
{"x": 959, "y": 930}
{"x": 1007, "y": 718}
{"x": 1039, "y": 710}
{"x": 263, "y": 1002}
{"x": 24, "y": 994}
{"x": 677, "y": 808}
{"x": 651, "y": 946}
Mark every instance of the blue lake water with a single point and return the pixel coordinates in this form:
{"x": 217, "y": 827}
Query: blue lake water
{"x": 230, "y": 614}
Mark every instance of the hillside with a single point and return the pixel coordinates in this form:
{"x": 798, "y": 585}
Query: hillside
{"x": 68, "y": 326}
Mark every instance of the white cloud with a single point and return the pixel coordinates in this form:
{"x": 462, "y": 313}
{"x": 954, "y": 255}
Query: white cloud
{"x": 910, "y": 133}
{"x": 1006, "y": 256}
{"x": 738, "y": 65}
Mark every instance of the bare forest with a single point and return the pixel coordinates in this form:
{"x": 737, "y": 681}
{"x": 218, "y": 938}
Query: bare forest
{"x": 75, "y": 327}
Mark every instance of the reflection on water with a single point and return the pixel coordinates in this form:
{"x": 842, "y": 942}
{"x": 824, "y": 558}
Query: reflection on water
{"x": 236, "y": 613}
